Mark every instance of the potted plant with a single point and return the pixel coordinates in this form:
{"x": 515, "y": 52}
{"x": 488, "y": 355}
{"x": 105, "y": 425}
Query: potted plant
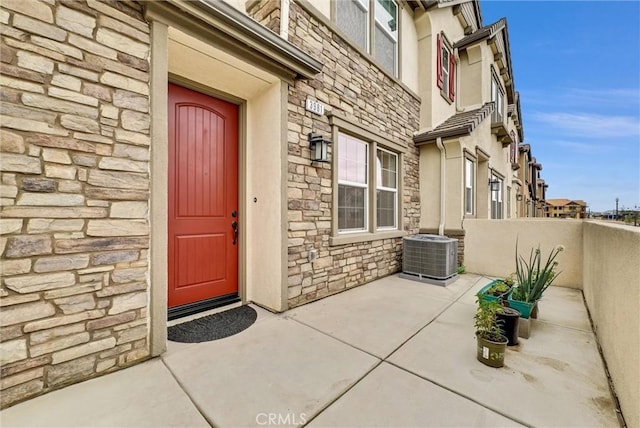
{"x": 491, "y": 343}
{"x": 495, "y": 291}
{"x": 508, "y": 320}
{"x": 532, "y": 279}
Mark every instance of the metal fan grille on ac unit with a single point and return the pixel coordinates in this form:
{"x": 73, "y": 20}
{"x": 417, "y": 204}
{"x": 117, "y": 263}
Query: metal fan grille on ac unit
{"x": 431, "y": 256}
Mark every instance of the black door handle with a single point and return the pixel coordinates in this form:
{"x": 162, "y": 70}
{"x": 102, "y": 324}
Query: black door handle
{"x": 234, "y": 225}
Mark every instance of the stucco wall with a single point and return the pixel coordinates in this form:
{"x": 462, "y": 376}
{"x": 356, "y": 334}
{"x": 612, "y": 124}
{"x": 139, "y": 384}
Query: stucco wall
{"x": 75, "y": 192}
{"x": 612, "y": 292}
{"x": 490, "y": 246}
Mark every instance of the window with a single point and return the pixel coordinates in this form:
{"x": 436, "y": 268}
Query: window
{"x": 352, "y": 184}
{"x": 509, "y": 214}
{"x": 497, "y": 96}
{"x": 446, "y": 68}
{"x": 353, "y": 17}
{"x": 469, "y": 178}
{"x": 496, "y": 198}
{"x": 387, "y": 189}
{"x": 367, "y": 199}
{"x": 386, "y": 34}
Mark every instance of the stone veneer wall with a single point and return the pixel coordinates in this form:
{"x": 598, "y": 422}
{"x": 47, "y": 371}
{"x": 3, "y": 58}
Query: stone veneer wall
{"x": 354, "y": 87}
{"x": 75, "y": 191}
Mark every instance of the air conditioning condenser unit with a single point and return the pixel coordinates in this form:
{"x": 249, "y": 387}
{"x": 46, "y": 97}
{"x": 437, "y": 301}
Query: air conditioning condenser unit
{"x": 430, "y": 258}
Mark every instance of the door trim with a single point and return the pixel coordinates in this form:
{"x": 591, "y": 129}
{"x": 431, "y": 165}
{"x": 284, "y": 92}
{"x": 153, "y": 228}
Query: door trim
{"x": 158, "y": 204}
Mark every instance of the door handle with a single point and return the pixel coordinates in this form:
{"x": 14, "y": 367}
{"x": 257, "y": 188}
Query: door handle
{"x": 234, "y": 226}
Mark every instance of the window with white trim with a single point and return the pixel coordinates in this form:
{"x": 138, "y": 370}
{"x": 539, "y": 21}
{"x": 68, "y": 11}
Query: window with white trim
{"x": 353, "y": 184}
{"x": 355, "y": 19}
{"x": 445, "y": 68}
{"x": 469, "y": 181}
{"x": 367, "y": 199}
{"x": 387, "y": 189}
{"x": 497, "y": 96}
{"x": 496, "y": 198}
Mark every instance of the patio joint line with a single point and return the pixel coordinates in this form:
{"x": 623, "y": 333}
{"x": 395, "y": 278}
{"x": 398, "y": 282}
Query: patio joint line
{"x": 433, "y": 319}
{"x": 180, "y": 384}
{"x": 333, "y": 337}
{"x": 330, "y": 402}
{"x": 460, "y": 394}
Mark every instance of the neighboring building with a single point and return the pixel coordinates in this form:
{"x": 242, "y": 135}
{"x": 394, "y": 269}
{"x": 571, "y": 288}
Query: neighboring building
{"x": 157, "y": 160}
{"x": 471, "y": 120}
{"x": 566, "y": 208}
{"x": 532, "y": 193}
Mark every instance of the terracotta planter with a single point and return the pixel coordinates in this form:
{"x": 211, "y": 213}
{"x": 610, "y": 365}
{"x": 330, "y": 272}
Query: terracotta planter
{"x": 491, "y": 352}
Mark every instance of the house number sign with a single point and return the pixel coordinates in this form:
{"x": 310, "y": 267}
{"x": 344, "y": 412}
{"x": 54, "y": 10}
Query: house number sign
{"x": 314, "y": 107}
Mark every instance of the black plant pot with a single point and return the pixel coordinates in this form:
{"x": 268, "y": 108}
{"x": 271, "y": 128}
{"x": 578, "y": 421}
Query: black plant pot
{"x": 508, "y": 319}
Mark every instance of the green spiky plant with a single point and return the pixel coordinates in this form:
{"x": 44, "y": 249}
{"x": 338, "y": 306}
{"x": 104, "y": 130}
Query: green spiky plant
{"x": 533, "y": 279}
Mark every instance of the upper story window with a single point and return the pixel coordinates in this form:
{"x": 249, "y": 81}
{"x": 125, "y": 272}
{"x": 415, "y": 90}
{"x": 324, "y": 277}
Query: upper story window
{"x": 497, "y": 96}
{"x": 446, "y": 68}
{"x": 373, "y": 26}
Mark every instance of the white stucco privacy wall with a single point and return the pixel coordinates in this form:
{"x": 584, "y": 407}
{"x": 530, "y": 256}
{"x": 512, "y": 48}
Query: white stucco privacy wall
{"x": 612, "y": 292}
{"x": 490, "y": 246}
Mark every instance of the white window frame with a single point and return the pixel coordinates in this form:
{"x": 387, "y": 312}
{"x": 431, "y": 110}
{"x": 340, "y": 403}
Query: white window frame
{"x": 387, "y": 189}
{"x": 445, "y": 68}
{"x": 395, "y": 37}
{"x": 497, "y": 198}
{"x": 375, "y": 140}
{"x": 365, "y": 186}
{"x": 372, "y": 22}
{"x": 497, "y": 96}
{"x": 469, "y": 184}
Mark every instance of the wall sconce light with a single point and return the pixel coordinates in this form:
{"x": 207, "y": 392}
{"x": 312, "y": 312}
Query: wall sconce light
{"x": 518, "y": 197}
{"x": 494, "y": 185}
{"x": 319, "y": 147}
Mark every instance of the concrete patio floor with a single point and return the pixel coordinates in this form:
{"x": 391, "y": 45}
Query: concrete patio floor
{"x": 393, "y": 352}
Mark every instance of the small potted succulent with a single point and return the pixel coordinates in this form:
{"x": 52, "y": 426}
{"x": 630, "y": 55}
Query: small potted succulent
{"x": 496, "y": 290}
{"x": 491, "y": 343}
{"x": 532, "y": 279}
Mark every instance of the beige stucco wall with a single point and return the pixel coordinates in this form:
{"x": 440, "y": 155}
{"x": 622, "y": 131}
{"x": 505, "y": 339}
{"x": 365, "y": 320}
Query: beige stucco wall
{"x": 442, "y": 20}
{"x": 429, "y": 186}
{"x": 612, "y": 292}
{"x": 408, "y": 50}
{"x": 265, "y": 214}
{"x": 490, "y": 246}
{"x": 471, "y": 83}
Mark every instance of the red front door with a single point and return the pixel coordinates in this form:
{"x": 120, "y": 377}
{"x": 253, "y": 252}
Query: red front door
{"x": 203, "y": 197}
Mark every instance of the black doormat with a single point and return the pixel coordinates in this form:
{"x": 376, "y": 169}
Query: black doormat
{"x": 213, "y": 327}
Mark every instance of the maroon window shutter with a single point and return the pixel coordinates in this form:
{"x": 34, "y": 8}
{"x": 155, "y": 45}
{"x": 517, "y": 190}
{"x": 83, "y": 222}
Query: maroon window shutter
{"x": 452, "y": 77}
{"x": 439, "y": 79}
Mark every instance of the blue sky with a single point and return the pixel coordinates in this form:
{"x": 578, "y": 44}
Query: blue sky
{"x": 577, "y": 68}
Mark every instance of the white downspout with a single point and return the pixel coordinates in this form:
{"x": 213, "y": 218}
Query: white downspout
{"x": 443, "y": 192}
{"x": 284, "y": 19}
{"x": 457, "y": 77}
